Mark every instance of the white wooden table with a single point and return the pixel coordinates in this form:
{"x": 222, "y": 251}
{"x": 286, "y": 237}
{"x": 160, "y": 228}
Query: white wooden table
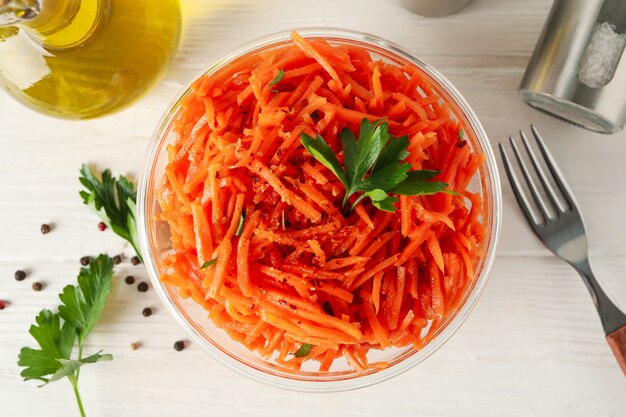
{"x": 533, "y": 346}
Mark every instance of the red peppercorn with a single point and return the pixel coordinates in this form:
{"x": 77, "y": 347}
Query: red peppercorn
{"x": 102, "y": 226}
{"x": 2, "y": 305}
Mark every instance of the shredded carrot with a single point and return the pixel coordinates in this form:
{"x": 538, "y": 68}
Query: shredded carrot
{"x": 288, "y": 266}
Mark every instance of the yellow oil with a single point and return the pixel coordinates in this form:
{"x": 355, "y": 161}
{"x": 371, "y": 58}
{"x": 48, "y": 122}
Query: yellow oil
{"x": 80, "y": 59}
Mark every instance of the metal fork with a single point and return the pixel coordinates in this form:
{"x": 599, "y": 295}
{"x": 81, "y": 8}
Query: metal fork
{"x": 562, "y": 230}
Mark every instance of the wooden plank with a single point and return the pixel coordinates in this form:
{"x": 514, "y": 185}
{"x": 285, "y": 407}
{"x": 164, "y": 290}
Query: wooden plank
{"x": 533, "y": 345}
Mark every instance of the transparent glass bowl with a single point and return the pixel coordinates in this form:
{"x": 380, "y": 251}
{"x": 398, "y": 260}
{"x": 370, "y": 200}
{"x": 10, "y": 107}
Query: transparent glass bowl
{"x": 154, "y": 236}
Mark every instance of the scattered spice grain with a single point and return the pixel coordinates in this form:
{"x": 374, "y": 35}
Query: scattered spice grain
{"x": 20, "y": 275}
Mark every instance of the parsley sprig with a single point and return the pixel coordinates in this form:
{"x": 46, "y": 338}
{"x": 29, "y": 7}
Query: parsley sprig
{"x": 373, "y": 166}
{"x": 114, "y": 200}
{"x": 58, "y": 333}
{"x": 303, "y": 351}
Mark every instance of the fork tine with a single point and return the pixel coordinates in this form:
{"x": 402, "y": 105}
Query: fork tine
{"x": 554, "y": 169}
{"x": 529, "y": 181}
{"x": 541, "y": 174}
{"x": 517, "y": 189}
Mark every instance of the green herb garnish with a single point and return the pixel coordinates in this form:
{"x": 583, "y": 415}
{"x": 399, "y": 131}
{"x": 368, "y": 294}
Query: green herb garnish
{"x": 240, "y": 226}
{"x": 208, "y": 263}
{"x": 278, "y": 77}
{"x": 304, "y": 350}
{"x": 373, "y": 165}
{"x": 57, "y": 333}
{"x": 114, "y": 200}
{"x": 461, "y": 134}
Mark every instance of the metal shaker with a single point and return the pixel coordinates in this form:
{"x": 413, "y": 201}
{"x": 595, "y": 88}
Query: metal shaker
{"x": 434, "y": 8}
{"x": 577, "y": 71}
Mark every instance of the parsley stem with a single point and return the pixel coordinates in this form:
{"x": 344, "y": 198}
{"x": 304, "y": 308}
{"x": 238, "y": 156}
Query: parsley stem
{"x": 137, "y": 252}
{"x": 80, "y": 356}
{"x": 74, "y": 382}
{"x": 356, "y": 203}
{"x": 345, "y": 200}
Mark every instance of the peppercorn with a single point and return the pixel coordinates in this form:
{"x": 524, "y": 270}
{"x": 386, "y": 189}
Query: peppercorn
{"x": 130, "y": 280}
{"x": 135, "y": 260}
{"x": 142, "y": 287}
{"x": 45, "y": 229}
{"x": 147, "y": 312}
{"x": 20, "y": 275}
{"x": 134, "y": 346}
{"x": 117, "y": 259}
{"x": 84, "y": 261}
{"x": 2, "y": 305}
{"x": 179, "y": 345}
{"x": 37, "y": 286}
{"x": 102, "y": 226}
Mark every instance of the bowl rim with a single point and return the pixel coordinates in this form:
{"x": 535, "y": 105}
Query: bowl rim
{"x": 493, "y": 189}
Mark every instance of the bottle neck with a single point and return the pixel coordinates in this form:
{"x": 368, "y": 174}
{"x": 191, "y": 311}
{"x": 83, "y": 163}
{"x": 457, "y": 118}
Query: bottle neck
{"x": 58, "y": 23}
{"x": 13, "y": 12}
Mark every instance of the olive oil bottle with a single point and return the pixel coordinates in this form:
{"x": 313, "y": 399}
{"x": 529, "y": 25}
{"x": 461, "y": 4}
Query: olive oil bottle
{"x": 79, "y": 59}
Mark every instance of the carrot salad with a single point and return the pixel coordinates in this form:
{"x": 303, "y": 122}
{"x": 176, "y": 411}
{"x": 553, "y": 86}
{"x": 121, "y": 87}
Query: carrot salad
{"x": 258, "y": 236}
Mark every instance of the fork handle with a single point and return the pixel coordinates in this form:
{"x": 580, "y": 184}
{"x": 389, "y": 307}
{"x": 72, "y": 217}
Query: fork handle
{"x": 613, "y": 319}
{"x": 611, "y": 316}
{"x": 617, "y": 342}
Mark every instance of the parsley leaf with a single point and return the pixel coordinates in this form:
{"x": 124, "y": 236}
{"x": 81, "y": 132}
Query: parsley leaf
{"x": 208, "y": 263}
{"x": 278, "y": 77}
{"x": 321, "y": 151}
{"x": 56, "y": 342}
{"x": 304, "y": 350}
{"x": 373, "y": 165}
{"x": 240, "y": 225}
{"x": 417, "y": 184}
{"x": 83, "y": 304}
{"x": 113, "y": 199}
{"x": 70, "y": 367}
{"x": 57, "y": 333}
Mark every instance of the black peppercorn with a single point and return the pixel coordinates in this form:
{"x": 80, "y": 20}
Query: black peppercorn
{"x": 45, "y": 229}
{"x": 142, "y": 287}
{"x": 37, "y": 286}
{"x": 84, "y": 261}
{"x": 117, "y": 259}
{"x": 130, "y": 280}
{"x": 135, "y": 260}
{"x": 147, "y": 312}
{"x": 179, "y": 345}
{"x": 20, "y": 275}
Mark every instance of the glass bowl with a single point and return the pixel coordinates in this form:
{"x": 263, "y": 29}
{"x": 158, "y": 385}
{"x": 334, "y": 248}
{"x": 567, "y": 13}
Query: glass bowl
{"x": 154, "y": 236}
